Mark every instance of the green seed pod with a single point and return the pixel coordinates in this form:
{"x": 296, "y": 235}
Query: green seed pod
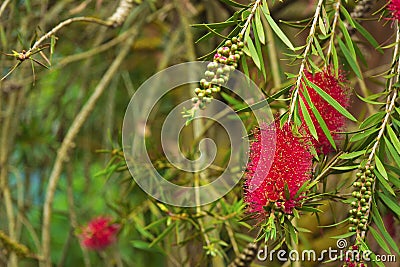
{"x": 359, "y": 214}
{"x": 234, "y": 40}
{"x": 220, "y": 50}
{"x": 194, "y": 100}
{"x": 207, "y": 85}
{"x": 368, "y": 172}
{"x": 240, "y": 45}
{"x": 208, "y": 92}
{"x": 228, "y": 42}
{"x": 354, "y": 203}
{"x": 221, "y": 81}
{"x": 214, "y": 81}
{"x": 209, "y": 74}
{"x": 202, "y": 105}
{"x": 367, "y": 197}
{"x": 200, "y": 95}
{"x": 212, "y": 66}
{"x": 234, "y": 47}
{"x": 363, "y": 189}
{"x": 197, "y": 90}
{"x": 202, "y": 82}
{"x": 227, "y": 69}
{"x": 208, "y": 99}
{"x": 358, "y": 174}
{"x": 220, "y": 71}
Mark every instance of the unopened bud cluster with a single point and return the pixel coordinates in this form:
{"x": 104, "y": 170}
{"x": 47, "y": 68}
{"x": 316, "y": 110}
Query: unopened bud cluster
{"x": 362, "y": 193}
{"x": 217, "y": 74}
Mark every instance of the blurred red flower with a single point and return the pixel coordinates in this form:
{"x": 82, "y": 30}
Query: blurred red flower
{"x": 334, "y": 120}
{"x": 291, "y": 165}
{"x": 99, "y": 233}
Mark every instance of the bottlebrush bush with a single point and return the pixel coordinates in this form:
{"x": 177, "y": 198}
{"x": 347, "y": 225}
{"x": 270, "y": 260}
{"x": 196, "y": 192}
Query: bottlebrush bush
{"x": 322, "y": 172}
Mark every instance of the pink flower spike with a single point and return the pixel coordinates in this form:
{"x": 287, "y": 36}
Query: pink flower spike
{"x": 291, "y": 166}
{"x": 99, "y": 233}
{"x": 334, "y": 120}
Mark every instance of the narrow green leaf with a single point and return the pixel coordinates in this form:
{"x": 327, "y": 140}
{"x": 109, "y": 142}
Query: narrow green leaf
{"x": 392, "y": 151}
{"x": 376, "y": 217}
{"x": 392, "y": 205}
{"x": 352, "y": 155}
{"x": 219, "y": 25}
{"x": 265, "y": 102}
{"x": 347, "y": 37}
{"x": 259, "y": 52}
{"x": 253, "y": 52}
{"x": 308, "y": 119}
{"x": 322, "y": 26}
{"x": 368, "y": 36}
{"x": 345, "y": 235}
{"x": 319, "y": 118}
{"x": 373, "y": 119}
{"x": 380, "y": 167}
{"x": 279, "y": 32}
{"x": 363, "y": 134}
{"x": 384, "y": 183}
{"x": 347, "y": 16}
{"x": 352, "y": 62}
{"x": 379, "y": 240}
{"x": 163, "y": 234}
{"x": 259, "y": 26}
{"x": 393, "y": 137}
{"x": 331, "y": 100}
{"x": 345, "y": 168}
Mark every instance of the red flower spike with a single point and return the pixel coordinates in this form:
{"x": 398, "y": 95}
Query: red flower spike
{"x": 335, "y": 121}
{"x": 291, "y": 165}
{"x": 394, "y": 8}
{"x": 99, "y": 233}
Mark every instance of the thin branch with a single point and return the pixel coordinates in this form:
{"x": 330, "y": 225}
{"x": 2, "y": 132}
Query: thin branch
{"x": 305, "y": 56}
{"x": 67, "y": 143}
{"x": 391, "y": 100}
{"x": 390, "y": 104}
{"x": 62, "y": 25}
{"x": 334, "y": 23}
{"x": 250, "y": 17}
{"x": 3, "y": 6}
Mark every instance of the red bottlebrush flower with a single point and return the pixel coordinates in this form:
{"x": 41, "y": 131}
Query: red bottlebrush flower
{"x": 394, "y": 8}
{"x": 99, "y": 233}
{"x": 335, "y": 121}
{"x": 291, "y": 165}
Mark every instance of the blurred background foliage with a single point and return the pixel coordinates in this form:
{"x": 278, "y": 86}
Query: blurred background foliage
{"x": 38, "y": 106}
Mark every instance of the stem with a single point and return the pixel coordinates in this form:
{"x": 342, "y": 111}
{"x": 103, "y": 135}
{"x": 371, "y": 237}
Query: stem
{"x": 62, "y": 25}
{"x": 332, "y": 40}
{"x": 3, "y": 6}
{"x": 67, "y": 143}
{"x": 390, "y": 104}
{"x": 305, "y": 56}
{"x": 250, "y": 17}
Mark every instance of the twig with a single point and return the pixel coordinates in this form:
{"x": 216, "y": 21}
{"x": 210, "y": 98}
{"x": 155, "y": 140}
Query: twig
{"x": 334, "y": 23}
{"x": 3, "y": 6}
{"x": 62, "y": 25}
{"x": 67, "y": 143}
{"x": 250, "y": 17}
{"x": 304, "y": 61}
{"x": 390, "y": 104}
